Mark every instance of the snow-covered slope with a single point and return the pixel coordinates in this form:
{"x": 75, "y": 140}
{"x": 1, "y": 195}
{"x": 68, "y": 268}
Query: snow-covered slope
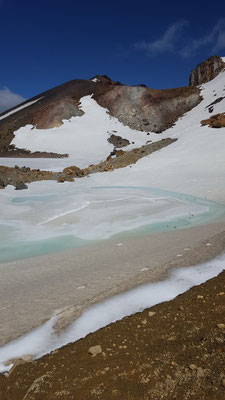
{"x": 84, "y": 138}
{"x": 194, "y": 164}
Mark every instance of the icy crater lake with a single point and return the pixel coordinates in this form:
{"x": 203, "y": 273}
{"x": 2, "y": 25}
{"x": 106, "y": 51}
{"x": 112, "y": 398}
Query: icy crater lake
{"x": 34, "y": 223}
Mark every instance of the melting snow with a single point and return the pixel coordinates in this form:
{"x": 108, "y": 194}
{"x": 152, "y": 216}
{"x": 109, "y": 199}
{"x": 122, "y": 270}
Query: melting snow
{"x": 83, "y": 138}
{"x": 44, "y": 339}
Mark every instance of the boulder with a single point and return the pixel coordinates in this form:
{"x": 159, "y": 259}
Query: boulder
{"x": 2, "y": 185}
{"x": 60, "y": 179}
{"x": 118, "y": 141}
{"x": 21, "y": 186}
{"x": 73, "y": 170}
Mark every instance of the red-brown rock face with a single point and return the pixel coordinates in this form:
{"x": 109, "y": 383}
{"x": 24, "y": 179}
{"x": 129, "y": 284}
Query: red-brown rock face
{"x": 206, "y": 71}
{"x": 149, "y": 109}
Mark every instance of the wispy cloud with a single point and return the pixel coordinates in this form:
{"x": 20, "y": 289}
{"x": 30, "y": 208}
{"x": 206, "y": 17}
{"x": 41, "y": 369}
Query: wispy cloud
{"x": 214, "y": 39}
{"x": 8, "y": 99}
{"x": 174, "y": 40}
{"x": 166, "y": 43}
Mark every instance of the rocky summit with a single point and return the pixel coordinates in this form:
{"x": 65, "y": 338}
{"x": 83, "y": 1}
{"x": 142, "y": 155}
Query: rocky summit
{"x": 206, "y": 71}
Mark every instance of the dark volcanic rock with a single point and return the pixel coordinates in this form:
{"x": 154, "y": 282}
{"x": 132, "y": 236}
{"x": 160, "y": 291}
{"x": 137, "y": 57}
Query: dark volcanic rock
{"x": 118, "y": 141}
{"x": 105, "y": 79}
{"x": 21, "y": 186}
{"x": 206, "y": 71}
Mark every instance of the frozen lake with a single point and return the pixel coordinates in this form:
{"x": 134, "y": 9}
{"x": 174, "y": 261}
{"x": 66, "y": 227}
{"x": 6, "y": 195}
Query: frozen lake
{"x": 42, "y": 221}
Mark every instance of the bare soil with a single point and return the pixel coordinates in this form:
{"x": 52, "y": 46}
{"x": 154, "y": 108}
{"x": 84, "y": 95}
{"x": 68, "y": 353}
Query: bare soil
{"x": 174, "y": 350}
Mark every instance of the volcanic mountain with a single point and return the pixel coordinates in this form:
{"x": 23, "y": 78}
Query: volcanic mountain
{"x": 137, "y": 107}
{"x": 100, "y": 125}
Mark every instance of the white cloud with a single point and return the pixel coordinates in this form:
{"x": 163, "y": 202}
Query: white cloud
{"x": 171, "y": 41}
{"x": 166, "y": 43}
{"x": 8, "y": 99}
{"x": 215, "y": 40}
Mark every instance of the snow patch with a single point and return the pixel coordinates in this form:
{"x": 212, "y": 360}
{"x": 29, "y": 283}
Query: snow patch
{"x": 84, "y": 138}
{"x": 20, "y": 108}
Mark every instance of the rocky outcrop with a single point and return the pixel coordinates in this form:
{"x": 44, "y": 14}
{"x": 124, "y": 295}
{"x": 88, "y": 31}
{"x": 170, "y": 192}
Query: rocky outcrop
{"x": 206, "y": 71}
{"x": 216, "y": 121}
{"x": 125, "y": 158}
{"x": 104, "y": 79}
{"x": 118, "y": 141}
{"x": 74, "y": 171}
{"x": 12, "y": 151}
{"x": 18, "y": 177}
{"x": 147, "y": 109}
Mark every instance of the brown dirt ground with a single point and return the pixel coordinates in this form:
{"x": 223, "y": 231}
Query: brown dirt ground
{"x": 174, "y": 350}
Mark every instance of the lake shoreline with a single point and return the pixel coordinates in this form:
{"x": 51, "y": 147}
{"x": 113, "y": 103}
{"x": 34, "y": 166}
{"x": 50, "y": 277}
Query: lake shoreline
{"x": 33, "y": 289}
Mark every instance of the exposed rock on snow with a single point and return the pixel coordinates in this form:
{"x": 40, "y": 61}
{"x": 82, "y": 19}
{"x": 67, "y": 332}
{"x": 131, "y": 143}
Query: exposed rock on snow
{"x": 118, "y": 141}
{"x": 74, "y": 171}
{"x": 148, "y": 109}
{"x": 18, "y": 177}
{"x": 206, "y": 71}
{"x": 21, "y": 186}
{"x": 216, "y": 121}
{"x": 125, "y": 158}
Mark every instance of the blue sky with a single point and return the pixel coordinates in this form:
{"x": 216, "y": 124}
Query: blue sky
{"x": 47, "y": 42}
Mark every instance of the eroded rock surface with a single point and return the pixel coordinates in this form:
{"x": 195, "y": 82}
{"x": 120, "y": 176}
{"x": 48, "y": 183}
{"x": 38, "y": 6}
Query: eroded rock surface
{"x": 206, "y": 71}
{"x": 149, "y": 109}
{"x": 216, "y": 121}
{"x": 118, "y": 141}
